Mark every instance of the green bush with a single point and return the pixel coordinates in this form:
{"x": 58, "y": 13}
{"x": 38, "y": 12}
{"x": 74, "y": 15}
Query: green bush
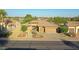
{"x": 23, "y": 28}
{"x": 63, "y": 29}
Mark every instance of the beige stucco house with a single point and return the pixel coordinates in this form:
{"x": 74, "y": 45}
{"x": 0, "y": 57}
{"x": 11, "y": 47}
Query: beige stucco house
{"x": 73, "y": 26}
{"x": 42, "y": 26}
{"x": 11, "y": 25}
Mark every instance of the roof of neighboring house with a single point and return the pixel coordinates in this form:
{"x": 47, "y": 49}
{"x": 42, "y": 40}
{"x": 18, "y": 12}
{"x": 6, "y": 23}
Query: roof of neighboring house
{"x": 41, "y": 23}
{"x": 73, "y": 23}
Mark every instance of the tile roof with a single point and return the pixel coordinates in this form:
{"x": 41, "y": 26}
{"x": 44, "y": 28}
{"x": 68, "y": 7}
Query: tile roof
{"x": 73, "y": 23}
{"x": 41, "y": 23}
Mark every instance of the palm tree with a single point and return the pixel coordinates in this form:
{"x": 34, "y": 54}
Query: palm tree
{"x": 2, "y": 14}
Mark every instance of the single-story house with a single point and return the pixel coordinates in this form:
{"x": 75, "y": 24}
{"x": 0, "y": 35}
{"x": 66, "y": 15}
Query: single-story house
{"x": 42, "y": 26}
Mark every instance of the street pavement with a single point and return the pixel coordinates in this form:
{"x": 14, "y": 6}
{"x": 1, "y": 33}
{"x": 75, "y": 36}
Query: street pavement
{"x": 41, "y": 45}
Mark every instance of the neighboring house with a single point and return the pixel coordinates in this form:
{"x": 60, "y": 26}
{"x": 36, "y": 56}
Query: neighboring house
{"x": 73, "y": 26}
{"x": 12, "y": 25}
{"x": 9, "y": 24}
{"x": 42, "y": 26}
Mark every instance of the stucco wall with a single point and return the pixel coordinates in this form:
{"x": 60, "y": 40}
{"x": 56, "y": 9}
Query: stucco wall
{"x": 50, "y": 29}
{"x": 41, "y": 29}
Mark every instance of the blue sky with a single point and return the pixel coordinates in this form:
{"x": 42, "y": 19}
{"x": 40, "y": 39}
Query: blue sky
{"x": 43, "y": 12}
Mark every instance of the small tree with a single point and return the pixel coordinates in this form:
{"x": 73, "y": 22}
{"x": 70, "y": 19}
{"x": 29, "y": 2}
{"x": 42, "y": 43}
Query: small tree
{"x": 60, "y": 20}
{"x": 23, "y": 28}
{"x": 27, "y": 18}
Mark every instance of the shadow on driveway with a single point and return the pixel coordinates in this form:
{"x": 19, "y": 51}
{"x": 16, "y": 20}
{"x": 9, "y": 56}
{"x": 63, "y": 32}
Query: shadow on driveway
{"x": 70, "y": 43}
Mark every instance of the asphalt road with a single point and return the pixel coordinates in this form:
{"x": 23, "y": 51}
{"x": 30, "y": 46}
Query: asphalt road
{"x": 40, "y": 45}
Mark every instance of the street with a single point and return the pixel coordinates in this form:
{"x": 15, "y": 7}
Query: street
{"x": 40, "y": 45}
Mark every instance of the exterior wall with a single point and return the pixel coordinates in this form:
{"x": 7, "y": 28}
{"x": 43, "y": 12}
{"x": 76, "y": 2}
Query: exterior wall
{"x": 45, "y": 29}
{"x": 75, "y": 29}
{"x": 71, "y": 28}
{"x": 29, "y": 30}
{"x": 41, "y": 29}
{"x": 50, "y": 29}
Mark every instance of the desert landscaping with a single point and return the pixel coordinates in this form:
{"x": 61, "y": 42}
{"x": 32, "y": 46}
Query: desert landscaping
{"x": 34, "y": 28}
{"x": 40, "y": 28}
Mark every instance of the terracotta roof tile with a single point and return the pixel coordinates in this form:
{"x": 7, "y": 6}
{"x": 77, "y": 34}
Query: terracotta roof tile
{"x": 41, "y": 23}
{"x": 73, "y": 23}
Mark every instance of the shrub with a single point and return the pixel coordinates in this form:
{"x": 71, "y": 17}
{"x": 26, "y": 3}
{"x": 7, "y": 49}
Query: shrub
{"x": 4, "y": 32}
{"x": 23, "y": 28}
{"x": 58, "y": 30}
{"x": 62, "y": 29}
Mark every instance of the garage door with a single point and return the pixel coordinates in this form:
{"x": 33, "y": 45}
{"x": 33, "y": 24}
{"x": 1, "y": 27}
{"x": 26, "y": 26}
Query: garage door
{"x": 50, "y": 30}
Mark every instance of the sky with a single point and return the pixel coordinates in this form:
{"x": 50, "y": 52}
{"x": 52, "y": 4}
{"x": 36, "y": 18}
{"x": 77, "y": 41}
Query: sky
{"x": 43, "y": 12}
